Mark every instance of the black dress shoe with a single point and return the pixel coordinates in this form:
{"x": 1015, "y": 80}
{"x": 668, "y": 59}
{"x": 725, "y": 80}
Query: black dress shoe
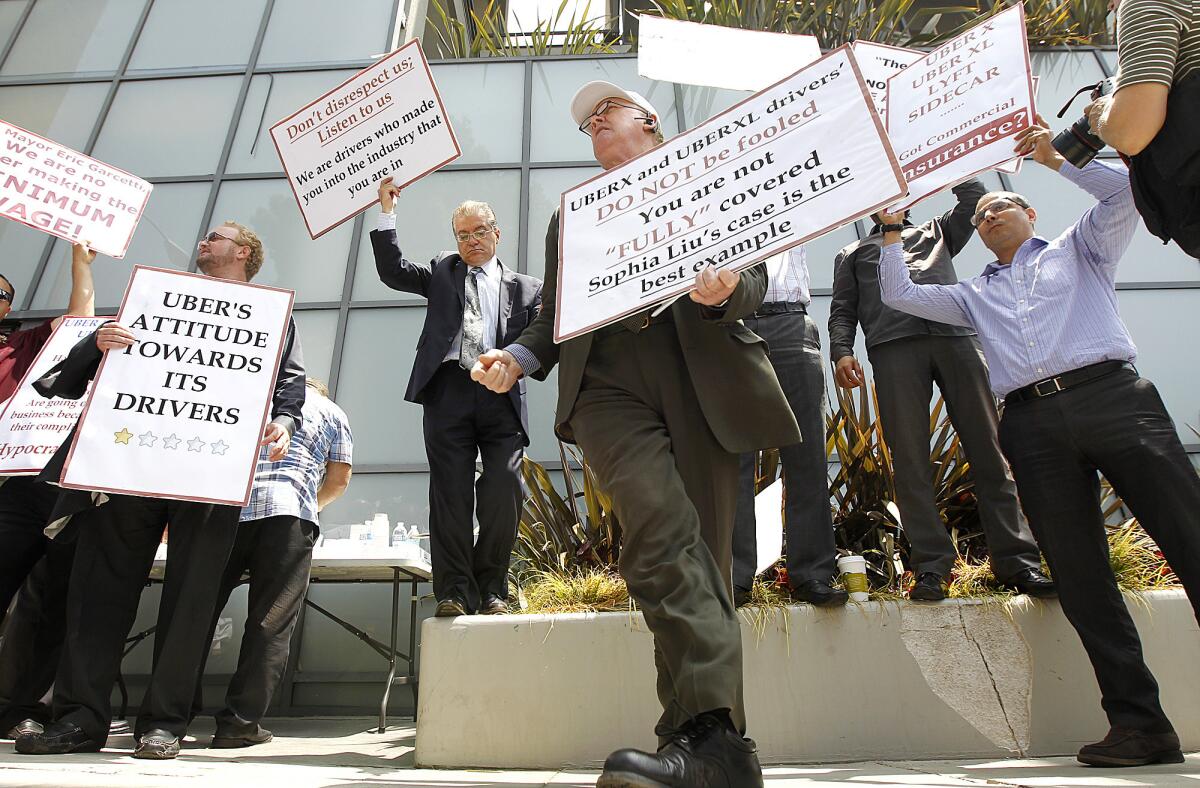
{"x": 930, "y": 587}
{"x": 229, "y": 737}
{"x": 741, "y": 596}
{"x": 1031, "y": 581}
{"x": 820, "y": 594}
{"x": 1125, "y": 747}
{"x": 707, "y": 752}
{"x": 59, "y": 738}
{"x": 493, "y": 605}
{"x": 449, "y": 607}
{"x": 157, "y": 745}
{"x": 25, "y": 728}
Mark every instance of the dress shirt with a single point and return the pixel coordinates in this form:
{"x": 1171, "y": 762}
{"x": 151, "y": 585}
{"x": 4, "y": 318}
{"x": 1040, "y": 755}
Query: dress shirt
{"x": 787, "y": 277}
{"x": 1054, "y": 308}
{"x": 289, "y": 487}
{"x": 929, "y": 251}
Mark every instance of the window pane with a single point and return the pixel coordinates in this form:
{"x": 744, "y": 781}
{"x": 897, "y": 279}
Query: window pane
{"x": 376, "y": 362}
{"x": 317, "y": 329}
{"x": 1110, "y": 59}
{"x": 316, "y": 31}
{"x": 314, "y": 269}
{"x": 423, "y": 222}
{"x": 554, "y": 136}
{"x": 1062, "y": 74}
{"x": 1151, "y": 318}
{"x": 21, "y": 248}
{"x": 819, "y": 254}
{"x": 10, "y": 12}
{"x": 164, "y": 239}
{"x": 253, "y": 149}
{"x": 545, "y": 188}
{"x": 63, "y": 113}
{"x": 700, "y": 104}
{"x": 541, "y": 398}
{"x": 62, "y": 36}
{"x": 486, "y": 104}
{"x": 403, "y": 497}
{"x": 144, "y": 132}
{"x": 183, "y": 33}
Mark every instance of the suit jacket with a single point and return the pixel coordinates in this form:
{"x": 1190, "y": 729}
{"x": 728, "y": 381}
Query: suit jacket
{"x": 443, "y": 282}
{"x": 734, "y": 381}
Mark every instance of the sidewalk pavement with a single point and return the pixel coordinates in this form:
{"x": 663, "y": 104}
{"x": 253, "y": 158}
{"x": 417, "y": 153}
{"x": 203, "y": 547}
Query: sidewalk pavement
{"x": 343, "y": 752}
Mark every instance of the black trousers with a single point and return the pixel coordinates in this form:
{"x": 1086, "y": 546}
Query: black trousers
{"x": 1116, "y": 425}
{"x": 117, "y": 541}
{"x": 463, "y": 419}
{"x": 276, "y": 553}
{"x": 25, "y": 506}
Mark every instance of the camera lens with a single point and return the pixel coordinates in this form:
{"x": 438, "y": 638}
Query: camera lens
{"x": 1077, "y": 144}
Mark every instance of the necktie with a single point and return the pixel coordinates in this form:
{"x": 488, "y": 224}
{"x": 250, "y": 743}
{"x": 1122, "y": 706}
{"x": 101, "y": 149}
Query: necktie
{"x": 472, "y": 322}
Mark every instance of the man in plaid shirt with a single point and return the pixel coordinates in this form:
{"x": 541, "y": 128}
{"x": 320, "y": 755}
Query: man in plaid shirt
{"x": 274, "y": 547}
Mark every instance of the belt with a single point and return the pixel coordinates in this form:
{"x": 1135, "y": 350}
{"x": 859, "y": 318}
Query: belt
{"x": 647, "y": 321}
{"x": 780, "y": 308}
{"x": 1067, "y": 380}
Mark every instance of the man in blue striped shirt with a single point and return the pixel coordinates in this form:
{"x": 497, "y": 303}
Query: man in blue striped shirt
{"x": 1059, "y": 355}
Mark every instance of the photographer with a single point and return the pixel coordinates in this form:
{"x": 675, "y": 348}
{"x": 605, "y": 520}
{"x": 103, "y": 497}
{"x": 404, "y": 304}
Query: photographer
{"x": 1152, "y": 115}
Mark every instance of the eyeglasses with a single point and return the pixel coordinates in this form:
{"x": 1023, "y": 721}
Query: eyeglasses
{"x": 605, "y": 107}
{"x": 478, "y": 235}
{"x": 995, "y": 206}
{"x": 215, "y": 236}
{"x": 6, "y": 296}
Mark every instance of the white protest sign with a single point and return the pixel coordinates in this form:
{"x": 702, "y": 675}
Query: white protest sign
{"x": 31, "y": 426}
{"x": 62, "y": 192}
{"x": 670, "y": 50}
{"x": 387, "y": 119}
{"x": 953, "y": 113}
{"x": 878, "y": 63}
{"x": 792, "y": 162}
{"x": 180, "y": 413}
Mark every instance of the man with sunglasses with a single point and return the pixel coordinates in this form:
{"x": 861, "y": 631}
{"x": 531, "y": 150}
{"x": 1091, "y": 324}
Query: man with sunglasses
{"x": 117, "y": 539}
{"x": 909, "y": 355}
{"x": 476, "y": 303}
{"x": 662, "y": 404}
{"x": 1059, "y": 355}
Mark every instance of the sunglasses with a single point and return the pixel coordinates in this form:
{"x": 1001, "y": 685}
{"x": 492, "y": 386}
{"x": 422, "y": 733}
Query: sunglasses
{"x": 215, "y": 236}
{"x": 6, "y": 296}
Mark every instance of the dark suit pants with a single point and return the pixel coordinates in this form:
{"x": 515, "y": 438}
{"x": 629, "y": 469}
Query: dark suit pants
{"x": 674, "y": 490}
{"x": 1116, "y": 426}
{"x": 808, "y": 521}
{"x": 117, "y": 541}
{"x": 463, "y": 419}
{"x": 276, "y": 552}
{"x": 905, "y": 371}
{"x": 25, "y": 506}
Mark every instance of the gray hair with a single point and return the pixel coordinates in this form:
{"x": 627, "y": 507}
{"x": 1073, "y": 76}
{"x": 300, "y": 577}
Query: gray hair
{"x": 474, "y": 208}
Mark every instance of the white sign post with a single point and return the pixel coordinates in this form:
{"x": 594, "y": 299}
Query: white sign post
{"x": 953, "y": 114}
{"x": 671, "y": 50}
{"x": 31, "y": 426}
{"x": 792, "y": 162}
{"x": 181, "y": 412}
{"x": 387, "y": 119}
{"x": 60, "y": 191}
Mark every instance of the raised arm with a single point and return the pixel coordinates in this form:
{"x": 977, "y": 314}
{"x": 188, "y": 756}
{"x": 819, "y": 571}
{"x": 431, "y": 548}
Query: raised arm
{"x": 897, "y": 289}
{"x": 83, "y": 291}
{"x": 395, "y": 270}
{"x": 956, "y": 223}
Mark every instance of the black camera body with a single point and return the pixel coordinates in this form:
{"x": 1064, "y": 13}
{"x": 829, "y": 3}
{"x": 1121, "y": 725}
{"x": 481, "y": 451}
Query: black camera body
{"x": 1077, "y": 144}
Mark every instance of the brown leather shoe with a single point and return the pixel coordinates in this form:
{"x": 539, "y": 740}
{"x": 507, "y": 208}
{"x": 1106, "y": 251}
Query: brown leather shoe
{"x": 493, "y": 605}
{"x": 450, "y": 607}
{"x": 1126, "y": 747}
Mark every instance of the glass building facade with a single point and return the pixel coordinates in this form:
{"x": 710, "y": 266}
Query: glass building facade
{"x": 183, "y": 94}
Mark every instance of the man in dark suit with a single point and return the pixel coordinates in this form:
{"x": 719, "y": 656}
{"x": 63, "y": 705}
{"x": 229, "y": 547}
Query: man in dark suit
{"x": 475, "y": 304}
{"x": 662, "y": 405}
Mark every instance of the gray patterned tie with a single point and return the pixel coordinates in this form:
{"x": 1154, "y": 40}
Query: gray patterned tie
{"x": 472, "y": 323}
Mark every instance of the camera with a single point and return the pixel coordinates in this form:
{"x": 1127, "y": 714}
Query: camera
{"x": 1078, "y": 144}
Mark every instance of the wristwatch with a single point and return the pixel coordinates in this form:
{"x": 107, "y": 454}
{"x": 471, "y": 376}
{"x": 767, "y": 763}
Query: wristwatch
{"x": 891, "y": 228}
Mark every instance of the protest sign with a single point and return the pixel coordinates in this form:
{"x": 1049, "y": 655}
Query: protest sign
{"x": 726, "y": 193}
{"x": 953, "y": 113}
{"x": 878, "y": 63}
{"x": 62, "y": 192}
{"x": 387, "y": 119}
{"x": 181, "y": 412}
{"x": 31, "y": 426}
{"x": 670, "y": 50}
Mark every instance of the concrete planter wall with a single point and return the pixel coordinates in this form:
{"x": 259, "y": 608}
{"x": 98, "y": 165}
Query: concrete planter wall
{"x": 880, "y": 680}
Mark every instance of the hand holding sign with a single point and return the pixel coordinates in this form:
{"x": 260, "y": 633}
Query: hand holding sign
{"x": 1035, "y": 142}
{"x": 114, "y": 336}
{"x": 388, "y": 192}
{"x": 713, "y": 287}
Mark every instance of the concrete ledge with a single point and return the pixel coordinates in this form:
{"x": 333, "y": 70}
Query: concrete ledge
{"x": 957, "y": 679}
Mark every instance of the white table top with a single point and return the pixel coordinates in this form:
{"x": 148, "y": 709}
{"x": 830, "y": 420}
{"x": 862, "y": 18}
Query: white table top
{"x": 342, "y": 565}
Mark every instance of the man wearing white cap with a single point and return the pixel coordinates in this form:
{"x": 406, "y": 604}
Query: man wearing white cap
{"x": 649, "y": 401}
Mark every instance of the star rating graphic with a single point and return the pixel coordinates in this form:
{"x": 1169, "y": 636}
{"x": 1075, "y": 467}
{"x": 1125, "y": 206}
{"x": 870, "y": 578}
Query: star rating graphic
{"x": 123, "y": 436}
{"x": 220, "y": 447}
{"x": 172, "y": 441}
{"x": 195, "y": 444}
{"x": 147, "y": 438}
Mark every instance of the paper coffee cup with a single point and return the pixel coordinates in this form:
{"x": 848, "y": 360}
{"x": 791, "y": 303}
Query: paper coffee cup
{"x": 853, "y": 569}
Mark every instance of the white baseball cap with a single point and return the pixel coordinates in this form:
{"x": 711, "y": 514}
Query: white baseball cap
{"x": 591, "y": 94}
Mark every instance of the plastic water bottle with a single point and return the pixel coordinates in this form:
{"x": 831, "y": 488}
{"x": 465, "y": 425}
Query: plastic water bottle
{"x": 399, "y": 535}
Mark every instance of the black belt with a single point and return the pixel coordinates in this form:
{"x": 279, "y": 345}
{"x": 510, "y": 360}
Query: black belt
{"x": 647, "y": 321}
{"x": 780, "y": 308}
{"x": 1067, "y": 380}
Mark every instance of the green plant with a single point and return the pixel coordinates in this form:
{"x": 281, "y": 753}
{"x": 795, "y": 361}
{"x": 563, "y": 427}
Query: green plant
{"x": 488, "y": 33}
{"x": 575, "y": 591}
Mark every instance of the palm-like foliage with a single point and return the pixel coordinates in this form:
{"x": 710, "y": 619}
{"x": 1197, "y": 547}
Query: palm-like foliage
{"x": 487, "y": 34}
